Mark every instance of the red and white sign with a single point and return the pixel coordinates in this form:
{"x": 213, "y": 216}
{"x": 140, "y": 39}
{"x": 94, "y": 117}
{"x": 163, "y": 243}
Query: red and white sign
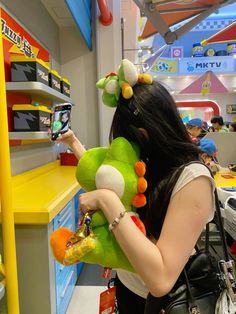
{"x": 16, "y": 40}
{"x": 177, "y": 52}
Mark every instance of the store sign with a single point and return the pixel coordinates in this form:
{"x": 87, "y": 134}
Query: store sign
{"x": 16, "y": 40}
{"x": 165, "y": 66}
{"x": 19, "y": 40}
{"x": 200, "y": 65}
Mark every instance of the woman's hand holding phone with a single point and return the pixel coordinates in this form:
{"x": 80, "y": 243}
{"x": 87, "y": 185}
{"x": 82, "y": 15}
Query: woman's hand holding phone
{"x": 67, "y": 138}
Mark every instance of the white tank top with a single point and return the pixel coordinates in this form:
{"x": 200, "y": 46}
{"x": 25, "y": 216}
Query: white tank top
{"x": 133, "y": 281}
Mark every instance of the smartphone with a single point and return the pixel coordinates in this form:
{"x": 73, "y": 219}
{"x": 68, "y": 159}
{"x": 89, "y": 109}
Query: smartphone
{"x": 60, "y": 120}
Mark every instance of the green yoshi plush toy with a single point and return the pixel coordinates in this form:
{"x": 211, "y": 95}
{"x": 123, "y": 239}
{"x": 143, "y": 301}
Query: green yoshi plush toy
{"x": 122, "y": 82}
{"x": 117, "y": 168}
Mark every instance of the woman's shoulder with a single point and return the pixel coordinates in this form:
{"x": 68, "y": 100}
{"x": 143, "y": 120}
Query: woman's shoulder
{"x": 196, "y": 169}
{"x": 191, "y": 172}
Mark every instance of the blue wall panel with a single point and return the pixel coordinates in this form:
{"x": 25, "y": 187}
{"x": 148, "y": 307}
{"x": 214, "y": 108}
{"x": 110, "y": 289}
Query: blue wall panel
{"x": 81, "y": 13}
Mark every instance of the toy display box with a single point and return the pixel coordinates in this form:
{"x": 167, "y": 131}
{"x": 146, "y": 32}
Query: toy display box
{"x": 68, "y": 159}
{"x": 31, "y": 118}
{"x": 25, "y": 69}
{"x": 55, "y": 80}
{"x": 65, "y": 86}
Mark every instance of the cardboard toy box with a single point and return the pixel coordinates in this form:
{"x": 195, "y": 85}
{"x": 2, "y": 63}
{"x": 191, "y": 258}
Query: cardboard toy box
{"x": 68, "y": 159}
{"x": 31, "y": 118}
{"x": 65, "y": 86}
{"x": 25, "y": 69}
{"x": 55, "y": 80}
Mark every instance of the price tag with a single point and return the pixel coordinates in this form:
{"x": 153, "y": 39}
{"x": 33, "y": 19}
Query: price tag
{"x": 106, "y": 273}
{"x": 107, "y": 301}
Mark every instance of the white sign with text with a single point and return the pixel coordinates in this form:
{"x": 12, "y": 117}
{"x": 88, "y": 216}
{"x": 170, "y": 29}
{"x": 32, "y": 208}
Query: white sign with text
{"x": 200, "y": 65}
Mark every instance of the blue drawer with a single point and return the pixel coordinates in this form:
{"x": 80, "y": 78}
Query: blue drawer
{"x": 60, "y": 218}
{"x": 65, "y": 276}
{"x": 64, "y": 297}
{"x": 68, "y": 223}
{"x": 62, "y": 279}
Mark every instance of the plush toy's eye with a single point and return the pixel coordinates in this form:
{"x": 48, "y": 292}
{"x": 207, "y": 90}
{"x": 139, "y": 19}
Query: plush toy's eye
{"x": 111, "y": 86}
{"x": 108, "y": 177}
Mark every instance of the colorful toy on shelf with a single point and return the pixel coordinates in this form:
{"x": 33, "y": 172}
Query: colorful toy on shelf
{"x": 31, "y": 117}
{"x": 210, "y": 52}
{"x": 117, "y": 168}
{"x": 24, "y": 69}
{"x": 221, "y": 53}
{"x": 122, "y": 82}
{"x": 197, "y": 50}
{"x": 231, "y": 49}
{"x": 55, "y": 80}
{"x": 65, "y": 86}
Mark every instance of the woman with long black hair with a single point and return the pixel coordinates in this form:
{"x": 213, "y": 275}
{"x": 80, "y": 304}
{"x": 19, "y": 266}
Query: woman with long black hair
{"x": 179, "y": 196}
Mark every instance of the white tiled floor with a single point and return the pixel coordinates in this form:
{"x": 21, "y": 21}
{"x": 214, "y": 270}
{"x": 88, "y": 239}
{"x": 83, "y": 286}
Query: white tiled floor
{"x": 85, "y": 299}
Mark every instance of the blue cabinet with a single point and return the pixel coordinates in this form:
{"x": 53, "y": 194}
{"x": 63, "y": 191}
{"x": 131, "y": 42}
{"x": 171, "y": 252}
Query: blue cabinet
{"x": 65, "y": 276}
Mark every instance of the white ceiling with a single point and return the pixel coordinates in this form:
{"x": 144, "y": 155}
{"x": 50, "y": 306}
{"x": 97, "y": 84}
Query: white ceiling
{"x": 59, "y": 12}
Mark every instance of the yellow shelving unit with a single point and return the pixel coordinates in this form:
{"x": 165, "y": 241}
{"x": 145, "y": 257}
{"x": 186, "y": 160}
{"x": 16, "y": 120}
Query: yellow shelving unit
{"x": 8, "y": 230}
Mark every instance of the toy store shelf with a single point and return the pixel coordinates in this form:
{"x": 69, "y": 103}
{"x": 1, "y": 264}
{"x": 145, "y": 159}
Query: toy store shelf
{"x": 37, "y": 90}
{"x": 28, "y": 136}
{"x": 39, "y": 194}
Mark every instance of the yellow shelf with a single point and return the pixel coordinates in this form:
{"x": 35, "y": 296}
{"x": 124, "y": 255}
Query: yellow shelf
{"x": 223, "y": 182}
{"x": 40, "y": 194}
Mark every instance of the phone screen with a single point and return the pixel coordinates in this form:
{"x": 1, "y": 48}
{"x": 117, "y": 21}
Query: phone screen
{"x": 60, "y": 120}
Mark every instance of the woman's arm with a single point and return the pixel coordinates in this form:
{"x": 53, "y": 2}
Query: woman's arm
{"x": 160, "y": 264}
{"x": 70, "y": 139}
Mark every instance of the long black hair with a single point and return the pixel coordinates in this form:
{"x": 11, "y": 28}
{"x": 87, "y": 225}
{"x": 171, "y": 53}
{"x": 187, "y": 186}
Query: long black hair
{"x": 167, "y": 147}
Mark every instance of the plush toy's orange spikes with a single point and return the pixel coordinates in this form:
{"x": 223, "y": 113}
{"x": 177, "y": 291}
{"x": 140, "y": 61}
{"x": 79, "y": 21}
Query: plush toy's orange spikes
{"x": 142, "y": 185}
{"x": 139, "y": 200}
{"x": 145, "y": 79}
{"x": 58, "y": 241}
{"x": 140, "y": 168}
{"x": 139, "y": 224}
{"x": 127, "y": 91}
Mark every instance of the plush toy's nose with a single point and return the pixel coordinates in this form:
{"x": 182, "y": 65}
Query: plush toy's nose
{"x": 108, "y": 177}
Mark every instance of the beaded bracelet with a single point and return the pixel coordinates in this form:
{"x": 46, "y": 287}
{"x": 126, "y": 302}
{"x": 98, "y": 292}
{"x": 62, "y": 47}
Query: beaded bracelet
{"x": 116, "y": 221}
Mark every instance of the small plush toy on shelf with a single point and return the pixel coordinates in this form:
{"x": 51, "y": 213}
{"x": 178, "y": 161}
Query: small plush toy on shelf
{"x": 117, "y": 168}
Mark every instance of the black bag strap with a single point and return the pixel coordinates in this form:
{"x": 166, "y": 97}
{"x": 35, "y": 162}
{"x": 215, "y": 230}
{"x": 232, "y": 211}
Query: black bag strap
{"x": 221, "y": 228}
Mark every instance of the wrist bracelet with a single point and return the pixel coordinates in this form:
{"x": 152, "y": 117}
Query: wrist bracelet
{"x": 116, "y": 221}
